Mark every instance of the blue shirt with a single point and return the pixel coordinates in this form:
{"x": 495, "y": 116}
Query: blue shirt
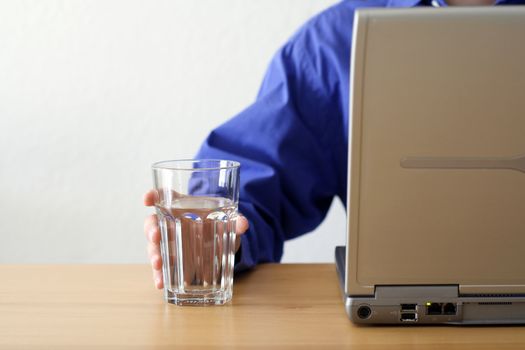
{"x": 292, "y": 141}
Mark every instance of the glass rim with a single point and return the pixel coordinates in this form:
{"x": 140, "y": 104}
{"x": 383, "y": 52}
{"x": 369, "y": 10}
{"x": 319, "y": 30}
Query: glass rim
{"x": 177, "y": 164}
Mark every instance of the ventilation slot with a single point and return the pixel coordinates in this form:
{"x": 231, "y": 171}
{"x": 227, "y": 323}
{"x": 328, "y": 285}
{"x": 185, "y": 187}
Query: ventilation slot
{"x": 501, "y": 295}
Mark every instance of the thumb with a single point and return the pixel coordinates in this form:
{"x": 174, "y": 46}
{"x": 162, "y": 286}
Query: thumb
{"x": 242, "y": 225}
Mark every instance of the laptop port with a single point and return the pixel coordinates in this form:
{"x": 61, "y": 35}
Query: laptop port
{"x": 408, "y": 307}
{"x": 364, "y": 312}
{"x": 408, "y": 317}
{"x": 434, "y": 309}
{"x": 449, "y": 309}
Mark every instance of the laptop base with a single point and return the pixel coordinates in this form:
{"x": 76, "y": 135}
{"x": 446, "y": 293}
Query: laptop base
{"x": 429, "y": 304}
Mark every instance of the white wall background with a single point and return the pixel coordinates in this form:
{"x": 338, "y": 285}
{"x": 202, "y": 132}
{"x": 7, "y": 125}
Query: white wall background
{"x": 93, "y": 92}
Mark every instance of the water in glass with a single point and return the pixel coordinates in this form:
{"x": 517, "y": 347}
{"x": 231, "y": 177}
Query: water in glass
{"x": 197, "y": 247}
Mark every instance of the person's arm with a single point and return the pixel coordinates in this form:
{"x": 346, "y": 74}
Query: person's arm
{"x": 291, "y": 142}
{"x": 286, "y": 143}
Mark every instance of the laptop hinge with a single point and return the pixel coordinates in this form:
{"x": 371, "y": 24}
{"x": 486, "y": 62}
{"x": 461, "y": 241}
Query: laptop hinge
{"x": 439, "y": 291}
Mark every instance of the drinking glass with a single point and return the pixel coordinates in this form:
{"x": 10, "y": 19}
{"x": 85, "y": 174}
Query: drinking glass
{"x": 196, "y": 203}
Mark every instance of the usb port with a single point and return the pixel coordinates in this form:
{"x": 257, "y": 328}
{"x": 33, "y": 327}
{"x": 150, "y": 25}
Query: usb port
{"x": 408, "y": 317}
{"x": 408, "y": 307}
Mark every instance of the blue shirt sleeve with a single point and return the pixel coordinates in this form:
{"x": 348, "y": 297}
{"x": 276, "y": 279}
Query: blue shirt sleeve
{"x": 291, "y": 141}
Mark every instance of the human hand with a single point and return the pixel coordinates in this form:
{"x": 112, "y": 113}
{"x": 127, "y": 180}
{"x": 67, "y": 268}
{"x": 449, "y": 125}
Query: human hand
{"x": 152, "y": 231}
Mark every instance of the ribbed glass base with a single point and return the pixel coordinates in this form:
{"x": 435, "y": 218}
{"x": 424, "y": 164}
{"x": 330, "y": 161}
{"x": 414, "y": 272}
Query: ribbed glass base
{"x": 192, "y": 299}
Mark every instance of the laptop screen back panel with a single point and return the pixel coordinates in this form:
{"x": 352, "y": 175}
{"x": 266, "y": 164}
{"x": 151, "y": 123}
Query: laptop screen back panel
{"x": 437, "y": 127}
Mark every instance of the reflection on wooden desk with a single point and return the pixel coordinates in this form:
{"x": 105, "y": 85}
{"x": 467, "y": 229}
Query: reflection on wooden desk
{"x": 278, "y": 306}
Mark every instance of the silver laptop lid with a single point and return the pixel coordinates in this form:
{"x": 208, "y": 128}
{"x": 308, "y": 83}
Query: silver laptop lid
{"x": 437, "y": 185}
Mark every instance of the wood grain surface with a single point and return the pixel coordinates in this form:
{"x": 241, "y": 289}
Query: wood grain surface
{"x": 288, "y": 306}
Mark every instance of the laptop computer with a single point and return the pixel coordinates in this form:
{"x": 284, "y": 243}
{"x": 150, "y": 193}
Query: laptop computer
{"x": 436, "y": 200}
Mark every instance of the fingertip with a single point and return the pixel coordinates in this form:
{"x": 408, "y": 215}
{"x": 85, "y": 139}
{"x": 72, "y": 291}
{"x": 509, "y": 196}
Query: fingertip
{"x": 242, "y": 225}
{"x": 149, "y": 198}
{"x": 151, "y": 227}
{"x": 146, "y": 199}
{"x": 156, "y": 262}
{"x": 154, "y": 236}
{"x": 159, "y": 284}
{"x": 158, "y": 280}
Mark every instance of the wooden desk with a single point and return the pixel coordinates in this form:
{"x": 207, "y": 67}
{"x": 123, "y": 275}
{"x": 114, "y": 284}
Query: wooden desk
{"x": 275, "y": 306}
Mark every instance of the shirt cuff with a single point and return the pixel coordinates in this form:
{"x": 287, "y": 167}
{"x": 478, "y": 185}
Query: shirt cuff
{"x": 243, "y": 257}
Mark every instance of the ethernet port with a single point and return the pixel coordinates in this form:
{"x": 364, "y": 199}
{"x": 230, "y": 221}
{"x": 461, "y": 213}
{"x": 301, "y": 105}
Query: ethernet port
{"x": 434, "y": 309}
{"x": 449, "y": 309}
